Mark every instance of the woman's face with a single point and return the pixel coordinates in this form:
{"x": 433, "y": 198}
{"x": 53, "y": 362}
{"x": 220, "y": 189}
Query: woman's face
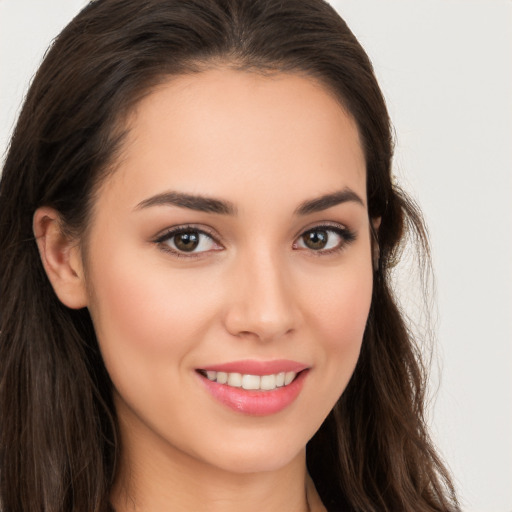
{"x": 232, "y": 243}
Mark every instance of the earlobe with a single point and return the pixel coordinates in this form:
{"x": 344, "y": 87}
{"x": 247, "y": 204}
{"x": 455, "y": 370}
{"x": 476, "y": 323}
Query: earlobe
{"x": 61, "y": 258}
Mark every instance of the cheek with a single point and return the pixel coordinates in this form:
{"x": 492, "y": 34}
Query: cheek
{"x": 339, "y": 317}
{"x": 343, "y": 306}
{"x": 148, "y": 312}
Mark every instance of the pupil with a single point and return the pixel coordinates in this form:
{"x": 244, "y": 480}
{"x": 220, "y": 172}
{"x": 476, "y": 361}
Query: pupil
{"x": 316, "y": 239}
{"x": 186, "y": 241}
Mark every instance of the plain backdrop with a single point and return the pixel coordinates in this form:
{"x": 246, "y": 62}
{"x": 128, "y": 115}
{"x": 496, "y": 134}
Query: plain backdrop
{"x": 445, "y": 67}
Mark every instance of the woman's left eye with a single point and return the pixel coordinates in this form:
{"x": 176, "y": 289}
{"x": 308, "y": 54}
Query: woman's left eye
{"x": 324, "y": 239}
{"x": 185, "y": 241}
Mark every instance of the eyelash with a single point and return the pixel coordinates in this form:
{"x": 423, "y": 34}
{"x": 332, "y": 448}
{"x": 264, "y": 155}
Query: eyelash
{"x": 171, "y": 233}
{"x": 346, "y": 235}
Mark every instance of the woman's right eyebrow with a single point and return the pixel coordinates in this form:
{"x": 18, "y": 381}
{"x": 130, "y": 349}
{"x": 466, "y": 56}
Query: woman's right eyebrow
{"x": 190, "y": 201}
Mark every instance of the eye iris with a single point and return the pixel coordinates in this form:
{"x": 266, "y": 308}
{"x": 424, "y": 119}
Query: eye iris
{"x": 187, "y": 241}
{"x": 316, "y": 239}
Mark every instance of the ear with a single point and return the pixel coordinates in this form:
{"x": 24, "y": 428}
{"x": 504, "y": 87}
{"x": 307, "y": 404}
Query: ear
{"x": 374, "y": 228}
{"x": 61, "y": 258}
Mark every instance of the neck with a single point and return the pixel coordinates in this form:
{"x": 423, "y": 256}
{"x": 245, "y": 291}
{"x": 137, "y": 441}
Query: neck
{"x": 185, "y": 489}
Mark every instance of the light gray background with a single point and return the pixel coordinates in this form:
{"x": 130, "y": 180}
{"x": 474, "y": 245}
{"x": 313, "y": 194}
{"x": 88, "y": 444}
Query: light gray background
{"x": 445, "y": 67}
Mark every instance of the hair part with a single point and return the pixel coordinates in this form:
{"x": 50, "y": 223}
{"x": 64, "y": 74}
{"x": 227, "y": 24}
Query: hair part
{"x": 58, "y": 436}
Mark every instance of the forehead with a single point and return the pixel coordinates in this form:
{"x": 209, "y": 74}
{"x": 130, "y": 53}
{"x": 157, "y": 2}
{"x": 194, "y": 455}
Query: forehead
{"x": 224, "y": 132}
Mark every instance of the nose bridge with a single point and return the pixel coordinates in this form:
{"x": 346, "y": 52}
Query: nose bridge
{"x": 262, "y": 302}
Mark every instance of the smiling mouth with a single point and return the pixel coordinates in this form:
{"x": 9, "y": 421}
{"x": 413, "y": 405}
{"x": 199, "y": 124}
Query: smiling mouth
{"x": 251, "y": 382}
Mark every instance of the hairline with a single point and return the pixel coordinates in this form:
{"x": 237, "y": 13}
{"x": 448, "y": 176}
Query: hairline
{"x": 120, "y": 127}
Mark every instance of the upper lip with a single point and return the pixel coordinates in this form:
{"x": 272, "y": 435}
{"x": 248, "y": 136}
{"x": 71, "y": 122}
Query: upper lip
{"x": 254, "y": 367}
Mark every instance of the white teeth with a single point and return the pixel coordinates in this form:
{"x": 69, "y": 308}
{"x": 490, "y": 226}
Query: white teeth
{"x": 235, "y": 380}
{"x": 268, "y": 382}
{"x": 252, "y": 382}
{"x": 289, "y": 377}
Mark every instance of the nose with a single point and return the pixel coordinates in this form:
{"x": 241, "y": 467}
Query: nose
{"x": 261, "y": 302}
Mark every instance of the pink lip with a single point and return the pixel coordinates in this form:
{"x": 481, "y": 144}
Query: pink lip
{"x": 256, "y": 403}
{"x": 251, "y": 367}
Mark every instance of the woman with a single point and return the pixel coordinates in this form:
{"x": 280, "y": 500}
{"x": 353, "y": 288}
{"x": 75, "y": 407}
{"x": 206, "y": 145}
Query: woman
{"x": 197, "y": 230}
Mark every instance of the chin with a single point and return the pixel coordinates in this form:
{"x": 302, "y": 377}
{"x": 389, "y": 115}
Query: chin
{"x": 258, "y": 463}
{"x": 259, "y": 455}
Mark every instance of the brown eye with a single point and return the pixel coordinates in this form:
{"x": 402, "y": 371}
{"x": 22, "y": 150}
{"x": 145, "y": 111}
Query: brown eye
{"x": 325, "y": 239}
{"x": 186, "y": 241}
{"x": 316, "y": 239}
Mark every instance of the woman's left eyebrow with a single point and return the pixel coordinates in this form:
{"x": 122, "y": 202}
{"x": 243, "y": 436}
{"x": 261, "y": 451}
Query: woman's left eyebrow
{"x": 326, "y": 201}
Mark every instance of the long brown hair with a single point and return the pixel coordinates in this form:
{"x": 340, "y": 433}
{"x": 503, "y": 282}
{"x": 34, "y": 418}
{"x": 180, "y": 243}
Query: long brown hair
{"x": 58, "y": 431}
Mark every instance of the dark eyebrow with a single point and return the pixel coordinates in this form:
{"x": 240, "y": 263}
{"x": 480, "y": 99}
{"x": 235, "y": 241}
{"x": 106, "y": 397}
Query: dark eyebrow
{"x": 327, "y": 201}
{"x": 193, "y": 202}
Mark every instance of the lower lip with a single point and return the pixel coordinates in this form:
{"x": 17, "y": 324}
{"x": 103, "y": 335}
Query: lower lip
{"x": 256, "y": 403}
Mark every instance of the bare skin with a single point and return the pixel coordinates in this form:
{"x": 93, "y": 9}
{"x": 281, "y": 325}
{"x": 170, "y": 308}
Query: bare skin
{"x": 284, "y": 272}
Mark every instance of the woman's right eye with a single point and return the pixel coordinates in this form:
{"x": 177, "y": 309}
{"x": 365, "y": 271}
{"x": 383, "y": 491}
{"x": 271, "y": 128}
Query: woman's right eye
{"x": 187, "y": 241}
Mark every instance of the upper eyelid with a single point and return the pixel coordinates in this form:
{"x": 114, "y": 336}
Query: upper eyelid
{"x": 340, "y": 230}
{"x": 346, "y": 235}
{"x": 166, "y": 233}
{"x": 323, "y": 224}
{"x": 169, "y": 233}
